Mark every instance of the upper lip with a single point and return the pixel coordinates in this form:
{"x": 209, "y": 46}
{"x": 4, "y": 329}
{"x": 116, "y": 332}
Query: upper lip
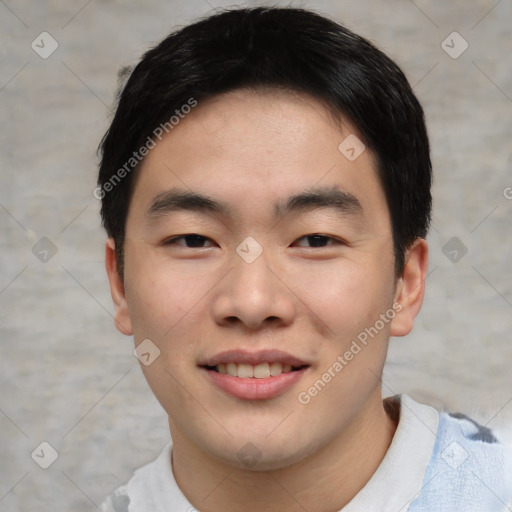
{"x": 254, "y": 358}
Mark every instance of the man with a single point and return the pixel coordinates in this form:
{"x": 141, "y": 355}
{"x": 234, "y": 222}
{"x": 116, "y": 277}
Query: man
{"x": 265, "y": 186}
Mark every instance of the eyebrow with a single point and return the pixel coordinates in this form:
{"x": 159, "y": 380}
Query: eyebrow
{"x": 175, "y": 200}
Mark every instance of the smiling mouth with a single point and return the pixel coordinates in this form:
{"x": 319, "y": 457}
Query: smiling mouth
{"x": 259, "y": 371}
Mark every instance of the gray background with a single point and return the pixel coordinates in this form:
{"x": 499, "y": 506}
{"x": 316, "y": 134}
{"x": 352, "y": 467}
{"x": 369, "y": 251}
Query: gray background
{"x": 70, "y": 379}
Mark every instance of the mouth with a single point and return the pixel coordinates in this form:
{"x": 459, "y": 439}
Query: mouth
{"x": 249, "y": 371}
{"x": 254, "y": 376}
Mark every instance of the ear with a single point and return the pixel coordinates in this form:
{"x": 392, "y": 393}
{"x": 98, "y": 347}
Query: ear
{"x": 122, "y": 314}
{"x": 410, "y": 288}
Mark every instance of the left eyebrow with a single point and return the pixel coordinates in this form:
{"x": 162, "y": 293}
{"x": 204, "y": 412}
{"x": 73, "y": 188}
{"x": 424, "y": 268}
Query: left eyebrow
{"x": 320, "y": 197}
{"x": 174, "y": 200}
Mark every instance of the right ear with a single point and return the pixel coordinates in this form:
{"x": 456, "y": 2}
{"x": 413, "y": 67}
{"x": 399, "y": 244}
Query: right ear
{"x": 122, "y": 314}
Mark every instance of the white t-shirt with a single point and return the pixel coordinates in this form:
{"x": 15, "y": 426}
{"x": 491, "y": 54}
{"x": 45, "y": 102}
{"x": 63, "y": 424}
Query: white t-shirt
{"x": 436, "y": 462}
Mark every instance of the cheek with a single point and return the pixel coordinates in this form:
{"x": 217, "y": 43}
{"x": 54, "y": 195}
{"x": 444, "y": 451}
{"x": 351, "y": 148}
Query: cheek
{"x": 153, "y": 307}
{"x": 344, "y": 298}
{"x": 160, "y": 296}
{"x": 168, "y": 306}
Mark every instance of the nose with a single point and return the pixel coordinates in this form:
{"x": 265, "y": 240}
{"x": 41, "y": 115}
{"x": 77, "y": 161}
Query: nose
{"x": 254, "y": 295}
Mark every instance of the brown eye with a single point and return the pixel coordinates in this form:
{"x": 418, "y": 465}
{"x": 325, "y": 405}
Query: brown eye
{"x": 318, "y": 241}
{"x": 191, "y": 241}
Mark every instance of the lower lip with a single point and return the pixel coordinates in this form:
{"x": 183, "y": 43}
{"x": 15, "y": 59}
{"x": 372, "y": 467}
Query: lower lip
{"x": 255, "y": 389}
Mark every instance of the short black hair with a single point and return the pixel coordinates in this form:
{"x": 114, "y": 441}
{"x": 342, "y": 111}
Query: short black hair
{"x": 274, "y": 47}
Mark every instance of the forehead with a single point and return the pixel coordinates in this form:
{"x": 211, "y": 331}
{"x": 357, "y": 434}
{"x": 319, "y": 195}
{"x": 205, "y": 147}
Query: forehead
{"x": 251, "y": 148}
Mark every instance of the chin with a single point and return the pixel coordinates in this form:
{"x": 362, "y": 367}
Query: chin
{"x": 259, "y": 452}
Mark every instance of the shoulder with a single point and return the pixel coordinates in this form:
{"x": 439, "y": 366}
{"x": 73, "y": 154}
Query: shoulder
{"x": 117, "y": 502}
{"x": 145, "y": 488}
{"x": 469, "y": 470}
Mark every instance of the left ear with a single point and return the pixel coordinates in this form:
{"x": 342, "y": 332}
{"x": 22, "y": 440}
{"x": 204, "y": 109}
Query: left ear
{"x": 410, "y": 288}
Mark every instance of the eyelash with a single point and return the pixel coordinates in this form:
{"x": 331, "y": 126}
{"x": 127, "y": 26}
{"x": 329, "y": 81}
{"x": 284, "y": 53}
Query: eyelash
{"x": 337, "y": 241}
{"x": 172, "y": 241}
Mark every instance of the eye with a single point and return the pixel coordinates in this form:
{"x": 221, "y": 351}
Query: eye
{"x": 319, "y": 241}
{"x": 190, "y": 241}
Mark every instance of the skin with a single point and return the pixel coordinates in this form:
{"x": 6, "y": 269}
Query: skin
{"x": 250, "y": 149}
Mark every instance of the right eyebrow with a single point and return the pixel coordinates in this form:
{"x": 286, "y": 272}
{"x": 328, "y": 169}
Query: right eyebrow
{"x": 175, "y": 200}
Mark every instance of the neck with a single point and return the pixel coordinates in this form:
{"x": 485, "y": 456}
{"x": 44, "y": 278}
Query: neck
{"x": 333, "y": 475}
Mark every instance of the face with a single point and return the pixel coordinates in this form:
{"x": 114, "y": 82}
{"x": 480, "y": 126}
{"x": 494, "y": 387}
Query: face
{"x": 254, "y": 246}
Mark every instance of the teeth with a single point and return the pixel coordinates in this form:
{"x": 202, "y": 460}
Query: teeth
{"x": 245, "y": 371}
{"x": 232, "y": 369}
{"x": 260, "y": 371}
{"x": 276, "y": 369}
